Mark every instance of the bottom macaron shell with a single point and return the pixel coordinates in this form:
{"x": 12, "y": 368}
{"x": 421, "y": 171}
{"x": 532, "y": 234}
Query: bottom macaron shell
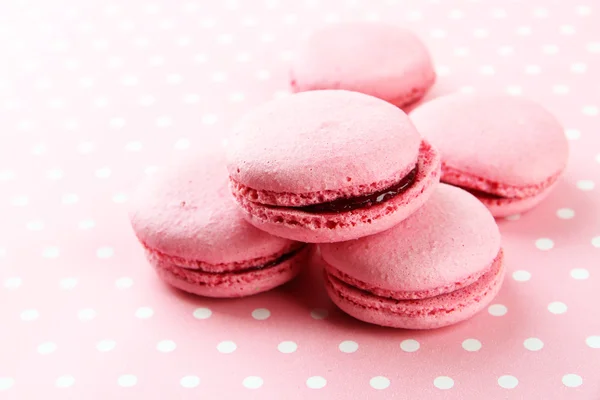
{"x": 336, "y": 227}
{"x": 435, "y": 312}
{"x": 229, "y": 284}
{"x": 503, "y": 207}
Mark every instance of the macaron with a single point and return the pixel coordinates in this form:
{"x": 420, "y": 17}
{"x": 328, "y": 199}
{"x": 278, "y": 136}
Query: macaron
{"x": 331, "y": 165}
{"x": 196, "y": 238}
{"x": 508, "y": 151}
{"x": 385, "y": 61}
{"x": 438, "y": 267}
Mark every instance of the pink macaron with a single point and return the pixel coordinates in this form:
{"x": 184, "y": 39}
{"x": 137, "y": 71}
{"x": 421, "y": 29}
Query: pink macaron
{"x": 328, "y": 166}
{"x": 438, "y": 267}
{"x": 384, "y": 61}
{"x": 506, "y": 150}
{"x": 196, "y": 238}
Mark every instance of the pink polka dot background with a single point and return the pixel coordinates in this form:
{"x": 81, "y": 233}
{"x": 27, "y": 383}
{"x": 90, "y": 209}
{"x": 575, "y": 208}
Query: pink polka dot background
{"x": 96, "y": 94}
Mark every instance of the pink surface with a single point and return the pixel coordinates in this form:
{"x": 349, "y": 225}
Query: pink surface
{"x": 382, "y": 60}
{"x": 336, "y": 227}
{"x": 447, "y": 243}
{"x": 96, "y": 93}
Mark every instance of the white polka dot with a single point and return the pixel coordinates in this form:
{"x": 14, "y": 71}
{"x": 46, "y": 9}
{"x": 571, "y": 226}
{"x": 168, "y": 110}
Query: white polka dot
{"x": 544, "y": 244}
{"x": 87, "y": 314}
{"x": 116, "y": 122}
{"x": 379, "y": 382}
{"x": 263, "y": 75}
{"x": 103, "y": 172}
{"x": 456, "y": 14}
{"x": 236, "y": 97}
{"x": 410, "y": 345}
{"x": 219, "y": 76}
{"x": 130, "y": 80}
{"x": 200, "y": 58}
{"x": 209, "y": 119}
{"x": 114, "y": 62}
{"x": 19, "y": 201}
{"x": 205, "y": 313}
{"x": 442, "y": 70}
{"x": 596, "y": 242}
{"x": 583, "y": 10}
{"x": 593, "y": 47}
{"x": 6, "y": 383}
{"x": 580, "y": 274}
{"x": 598, "y": 158}
{"x": 182, "y": 144}
{"x": 152, "y": 8}
{"x": 487, "y": 70}
{"x": 127, "y": 380}
{"x": 533, "y": 344}
{"x": 39, "y": 149}
{"x": 183, "y": 41}
{"x": 567, "y": 29}
{"x": 533, "y": 69}
{"x": 481, "y": 33}
{"x": 127, "y": 25}
{"x": 65, "y": 381}
{"x": 540, "y": 12}
{"x": 56, "y": 103}
{"x": 316, "y": 382}
{"x": 319, "y": 313}
{"x": 225, "y": 38}
{"x": 85, "y": 147}
{"x": 461, "y": 51}
{"x": 252, "y": 382}
{"x": 105, "y": 252}
{"x": 119, "y": 198}
{"x": 189, "y": 381}
{"x": 565, "y": 213}
{"x": 174, "y": 79}
{"x": 191, "y": 99}
{"x": 105, "y": 345}
{"x": 471, "y": 345}
{"x": 593, "y": 342}
{"x": 443, "y": 382}
{"x": 164, "y": 121}
{"x": 508, "y": 382}
{"x": 572, "y": 380}
{"x": 505, "y": 50}
{"x": 590, "y": 110}
{"x": 55, "y": 173}
{"x": 572, "y": 134}
{"x": 68, "y": 283}
{"x": 249, "y": 22}
{"x": 578, "y": 68}
{"x": 242, "y": 57}
{"x": 287, "y": 347}
{"x": 467, "y": 89}
{"x": 280, "y": 94}
{"x": 47, "y": 348}
{"x": 521, "y": 276}
{"x": 348, "y": 346}
{"x": 585, "y": 185}
{"x": 560, "y": 89}
{"x": 497, "y": 310}
{"x": 524, "y": 30}
{"x": 150, "y": 170}
{"x": 156, "y": 61}
{"x": 13, "y": 283}
{"x": 261, "y": 314}
{"x": 30, "y": 315}
{"x": 438, "y": 33}
{"x": 166, "y": 346}
{"x": 86, "y": 224}
{"x": 550, "y": 49}
{"x": 147, "y": 101}
{"x": 498, "y": 13}
{"x": 50, "y": 252}
{"x": 25, "y": 125}
{"x": 226, "y": 347}
{"x": 144, "y": 312}
{"x": 35, "y": 225}
{"x": 557, "y": 307}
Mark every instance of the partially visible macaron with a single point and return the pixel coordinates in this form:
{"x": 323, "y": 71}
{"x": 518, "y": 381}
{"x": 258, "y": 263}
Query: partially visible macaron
{"x": 438, "y": 267}
{"x": 196, "y": 238}
{"x": 327, "y": 166}
{"x": 506, "y": 150}
{"x": 385, "y": 61}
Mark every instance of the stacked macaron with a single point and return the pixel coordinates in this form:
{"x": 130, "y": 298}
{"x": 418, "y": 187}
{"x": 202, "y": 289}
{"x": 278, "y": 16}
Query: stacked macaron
{"x": 340, "y": 168}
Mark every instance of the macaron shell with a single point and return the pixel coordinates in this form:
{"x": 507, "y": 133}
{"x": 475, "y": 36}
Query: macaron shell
{"x": 504, "y": 207}
{"x": 509, "y": 142}
{"x": 451, "y": 238}
{"x": 322, "y": 140}
{"x": 385, "y": 61}
{"x": 187, "y": 211}
{"x": 435, "y": 312}
{"x": 229, "y": 284}
{"x": 336, "y": 227}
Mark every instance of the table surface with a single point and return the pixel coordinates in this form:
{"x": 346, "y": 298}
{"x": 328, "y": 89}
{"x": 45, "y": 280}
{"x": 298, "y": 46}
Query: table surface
{"x": 96, "y": 94}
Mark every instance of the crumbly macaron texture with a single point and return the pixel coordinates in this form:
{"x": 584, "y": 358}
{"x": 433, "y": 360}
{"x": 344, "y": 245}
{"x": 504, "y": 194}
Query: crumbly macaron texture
{"x": 186, "y": 211}
{"x": 319, "y": 141}
{"x": 385, "y": 61}
{"x": 449, "y": 240}
{"x": 229, "y": 284}
{"x": 335, "y": 227}
{"x": 429, "y": 313}
{"x": 500, "y": 144}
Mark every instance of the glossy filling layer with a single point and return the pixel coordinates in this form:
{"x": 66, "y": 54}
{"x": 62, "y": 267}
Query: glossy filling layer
{"x": 366, "y": 201}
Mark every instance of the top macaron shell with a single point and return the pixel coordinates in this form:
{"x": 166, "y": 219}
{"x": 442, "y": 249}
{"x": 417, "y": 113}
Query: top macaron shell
{"x": 509, "y": 142}
{"x": 187, "y": 211}
{"x": 385, "y": 61}
{"x": 321, "y": 141}
{"x": 452, "y": 238}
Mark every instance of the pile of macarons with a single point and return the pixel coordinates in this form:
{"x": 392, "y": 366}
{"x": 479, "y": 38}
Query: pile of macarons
{"x": 400, "y": 209}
